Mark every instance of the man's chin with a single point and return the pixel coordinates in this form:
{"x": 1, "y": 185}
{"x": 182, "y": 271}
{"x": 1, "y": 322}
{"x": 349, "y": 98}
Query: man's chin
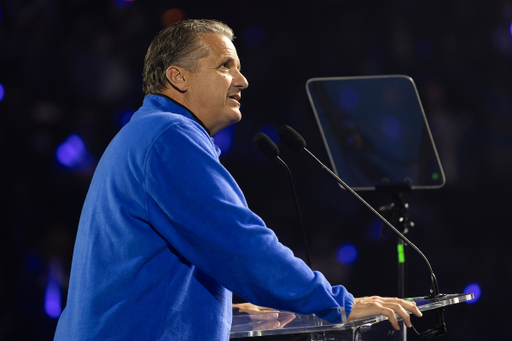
{"x": 237, "y": 117}
{"x": 232, "y": 119}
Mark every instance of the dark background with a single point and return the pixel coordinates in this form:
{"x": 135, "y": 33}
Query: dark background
{"x": 74, "y": 67}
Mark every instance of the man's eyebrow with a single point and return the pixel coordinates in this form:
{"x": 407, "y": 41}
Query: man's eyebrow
{"x": 229, "y": 59}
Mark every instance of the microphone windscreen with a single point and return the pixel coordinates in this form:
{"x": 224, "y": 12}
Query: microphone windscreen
{"x": 266, "y": 146}
{"x": 291, "y": 138}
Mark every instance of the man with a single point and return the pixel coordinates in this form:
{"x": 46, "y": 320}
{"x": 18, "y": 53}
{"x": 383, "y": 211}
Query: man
{"x": 165, "y": 235}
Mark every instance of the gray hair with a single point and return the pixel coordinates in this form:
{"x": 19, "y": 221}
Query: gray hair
{"x": 179, "y": 44}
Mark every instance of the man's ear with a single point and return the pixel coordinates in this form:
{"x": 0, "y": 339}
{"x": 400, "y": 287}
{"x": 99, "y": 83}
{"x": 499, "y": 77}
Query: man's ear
{"x": 177, "y": 78}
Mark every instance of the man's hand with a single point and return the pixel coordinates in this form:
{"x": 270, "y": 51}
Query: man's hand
{"x": 249, "y": 309}
{"x": 387, "y": 306}
{"x": 269, "y": 318}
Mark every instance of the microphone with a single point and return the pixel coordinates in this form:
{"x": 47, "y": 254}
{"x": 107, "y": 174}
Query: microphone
{"x": 296, "y": 142}
{"x": 268, "y": 148}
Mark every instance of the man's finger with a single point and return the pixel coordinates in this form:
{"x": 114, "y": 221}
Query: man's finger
{"x": 399, "y": 309}
{"x": 264, "y": 316}
{"x": 390, "y": 313}
{"x": 387, "y": 306}
{"x": 413, "y": 308}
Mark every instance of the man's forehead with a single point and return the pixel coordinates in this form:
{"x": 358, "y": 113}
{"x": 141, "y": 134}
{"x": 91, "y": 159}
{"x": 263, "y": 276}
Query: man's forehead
{"x": 221, "y": 46}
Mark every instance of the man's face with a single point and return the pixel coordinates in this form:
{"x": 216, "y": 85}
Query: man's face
{"x": 215, "y": 85}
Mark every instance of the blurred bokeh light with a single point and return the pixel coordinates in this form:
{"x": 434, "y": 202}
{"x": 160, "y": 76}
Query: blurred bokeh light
{"x": 347, "y": 253}
{"x": 172, "y": 16}
{"x": 71, "y": 78}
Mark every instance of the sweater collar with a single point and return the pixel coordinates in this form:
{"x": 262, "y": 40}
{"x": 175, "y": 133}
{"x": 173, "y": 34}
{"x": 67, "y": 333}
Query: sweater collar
{"x": 184, "y": 107}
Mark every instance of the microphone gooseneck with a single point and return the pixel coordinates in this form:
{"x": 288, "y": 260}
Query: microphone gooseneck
{"x": 296, "y": 142}
{"x": 269, "y": 149}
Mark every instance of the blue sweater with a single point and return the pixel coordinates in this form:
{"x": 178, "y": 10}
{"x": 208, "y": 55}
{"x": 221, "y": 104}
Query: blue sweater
{"x": 165, "y": 237}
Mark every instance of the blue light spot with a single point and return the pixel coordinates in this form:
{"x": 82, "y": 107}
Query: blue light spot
{"x": 124, "y": 117}
{"x": 475, "y": 289}
{"x": 270, "y": 131}
{"x": 224, "y": 139}
{"x": 30, "y": 263}
{"x": 254, "y": 36}
{"x": 2, "y": 92}
{"x": 347, "y": 253}
{"x": 511, "y": 29}
{"x": 348, "y": 98}
{"x": 392, "y": 127}
{"x": 52, "y": 299}
{"x": 124, "y": 3}
{"x": 72, "y": 153}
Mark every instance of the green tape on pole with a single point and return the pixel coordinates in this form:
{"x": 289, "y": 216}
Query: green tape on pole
{"x": 401, "y": 255}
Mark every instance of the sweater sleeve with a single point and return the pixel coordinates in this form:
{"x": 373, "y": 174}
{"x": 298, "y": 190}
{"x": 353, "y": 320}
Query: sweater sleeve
{"x": 197, "y": 207}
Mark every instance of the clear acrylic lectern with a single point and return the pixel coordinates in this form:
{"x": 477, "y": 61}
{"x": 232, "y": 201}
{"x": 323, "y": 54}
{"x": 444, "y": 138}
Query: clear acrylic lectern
{"x": 296, "y": 327}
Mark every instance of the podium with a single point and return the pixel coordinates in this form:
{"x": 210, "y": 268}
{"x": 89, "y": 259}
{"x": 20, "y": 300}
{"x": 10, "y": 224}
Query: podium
{"x": 297, "y": 327}
{"x": 377, "y": 138}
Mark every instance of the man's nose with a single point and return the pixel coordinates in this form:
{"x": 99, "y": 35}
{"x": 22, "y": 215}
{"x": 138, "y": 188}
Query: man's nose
{"x": 240, "y": 81}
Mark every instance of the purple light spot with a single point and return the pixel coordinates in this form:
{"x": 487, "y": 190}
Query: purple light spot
{"x": 224, "y": 139}
{"x": 510, "y": 29}
{"x": 347, "y": 253}
{"x": 392, "y": 127}
{"x": 124, "y": 3}
{"x": 52, "y": 299}
{"x": 72, "y": 152}
{"x": 30, "y": 263}
{"x": 475, "y": 289}
{"x": 348, "y": 98}
{"x": 2, "y": 92}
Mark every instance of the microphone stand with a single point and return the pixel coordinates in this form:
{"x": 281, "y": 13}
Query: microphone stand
{"x": 400, "y": 209}
{"x": 293, "y": 139}
{"x": 268, "y": 148}
{"x": 434, "y": 290}
{"x": 440, "y": 328}
{"x": 303, "y": 231}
